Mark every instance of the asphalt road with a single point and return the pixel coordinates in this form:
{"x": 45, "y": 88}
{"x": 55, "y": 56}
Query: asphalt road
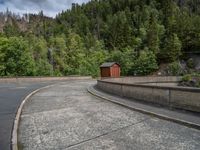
{"x": 67, "y": 117}
{"x": 11, "y": 96}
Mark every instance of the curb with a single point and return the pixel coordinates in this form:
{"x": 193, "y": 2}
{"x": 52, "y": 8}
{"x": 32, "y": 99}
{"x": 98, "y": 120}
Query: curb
{"x": 14, "y": 140}
{"x": 92, "y": 91}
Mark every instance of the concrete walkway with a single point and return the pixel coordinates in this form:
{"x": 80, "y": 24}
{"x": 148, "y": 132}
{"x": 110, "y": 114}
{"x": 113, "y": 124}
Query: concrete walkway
{"x": 67, "y": 117}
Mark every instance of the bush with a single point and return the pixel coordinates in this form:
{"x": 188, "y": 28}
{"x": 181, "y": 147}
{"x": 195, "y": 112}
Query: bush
{"x": 190, "y": 80}
{"x": 174, "y": 69}
{"x": 125, "y": 58}
{"x": 190, "y": 63}
{"x": 186, "y": 78}
{"x": 145, "y": 64}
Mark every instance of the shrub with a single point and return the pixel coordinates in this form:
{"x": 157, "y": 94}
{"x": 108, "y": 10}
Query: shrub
{"x": 145, "y": 64}
{"x": 191, "y": 80}
{"x": 186, "y": 78}
{"x": 125, "y": 58}
{"x": 190, "y": 63}
{"x": 174, "y": 69}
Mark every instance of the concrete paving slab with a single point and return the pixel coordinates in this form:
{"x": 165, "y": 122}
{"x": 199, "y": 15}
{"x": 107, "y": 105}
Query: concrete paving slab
{"x": 151, "y": 134}
{"x": 67, "y": 117}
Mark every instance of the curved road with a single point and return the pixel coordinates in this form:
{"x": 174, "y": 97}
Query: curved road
{"x": 11, "y": 96}
{"x": 67, "y": 117}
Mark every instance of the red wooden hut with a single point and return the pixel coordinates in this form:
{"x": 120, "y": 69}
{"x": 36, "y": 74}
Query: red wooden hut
{"x": 110, "y": 69}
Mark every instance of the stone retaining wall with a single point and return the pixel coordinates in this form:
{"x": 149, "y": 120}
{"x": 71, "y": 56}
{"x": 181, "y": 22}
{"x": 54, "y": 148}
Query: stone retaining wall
{"x": 37, "y": 79}
{"x": 171, "y": 96}
{"x": 148, "y": 79}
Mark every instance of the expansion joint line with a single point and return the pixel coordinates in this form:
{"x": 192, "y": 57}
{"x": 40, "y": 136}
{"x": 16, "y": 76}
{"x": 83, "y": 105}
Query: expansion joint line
{"x": 112, "y": 131}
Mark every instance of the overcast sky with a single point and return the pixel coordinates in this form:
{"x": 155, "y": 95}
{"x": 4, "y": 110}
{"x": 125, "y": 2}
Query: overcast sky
{"x": 49, "y": 7}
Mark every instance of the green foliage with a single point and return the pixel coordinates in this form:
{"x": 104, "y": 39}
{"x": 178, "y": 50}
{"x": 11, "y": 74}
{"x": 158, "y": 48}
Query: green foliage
{"x": 190, "y": 63}
{"x": 172, "y": 48}
{"x": 191, "y": 80}
{"x": 11, "y": 30}
{"x": 125, "y": 58}
{"x": 57, "y": 51}
{"x": 17, "y": 59}
{"x": 3, "y": 45}
{"x": 153, "y": 36}
{"x": 90, "y": 65}
{"x": 175, "y": 69}
{"x": 78, "y": 40}
{"x": 39, "y": 52}
{"x": 144, "y": 64}
{"x": 74, "y": 53}
{"x": 186, "y": 78}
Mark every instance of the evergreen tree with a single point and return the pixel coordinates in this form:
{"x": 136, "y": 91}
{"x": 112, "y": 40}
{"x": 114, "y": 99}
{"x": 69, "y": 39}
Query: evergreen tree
{"x": 153, "y": 35}
{"x": 172, "y": 48}
{"x": 81, "y": 38}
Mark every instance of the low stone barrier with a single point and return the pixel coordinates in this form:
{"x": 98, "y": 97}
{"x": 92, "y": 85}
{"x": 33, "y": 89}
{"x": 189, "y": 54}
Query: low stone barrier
{"x": 147, "y": 79}
{"x": 154, "y": 91}
{"x": 38, "y": 79}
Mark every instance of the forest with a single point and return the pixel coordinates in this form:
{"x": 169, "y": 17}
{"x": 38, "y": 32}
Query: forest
{"x": 141, "y": 35}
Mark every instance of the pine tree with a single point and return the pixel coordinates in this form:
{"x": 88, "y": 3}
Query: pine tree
{"x": 172, "y": 48}
{"x": 152, "y": 35}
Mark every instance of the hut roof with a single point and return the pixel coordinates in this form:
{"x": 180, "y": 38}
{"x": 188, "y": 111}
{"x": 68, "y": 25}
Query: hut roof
{"x": 108, "y": 64}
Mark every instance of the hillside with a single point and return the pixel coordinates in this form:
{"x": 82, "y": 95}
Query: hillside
{"x": 140, "y": 35}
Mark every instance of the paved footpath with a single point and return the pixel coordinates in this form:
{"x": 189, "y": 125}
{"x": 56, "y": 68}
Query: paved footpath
{"x": 67, "y": 117}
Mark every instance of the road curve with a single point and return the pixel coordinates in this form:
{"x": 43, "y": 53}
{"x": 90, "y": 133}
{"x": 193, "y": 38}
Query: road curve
{"x": 11, "y": 96}
{"x": 67, "y": 117}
